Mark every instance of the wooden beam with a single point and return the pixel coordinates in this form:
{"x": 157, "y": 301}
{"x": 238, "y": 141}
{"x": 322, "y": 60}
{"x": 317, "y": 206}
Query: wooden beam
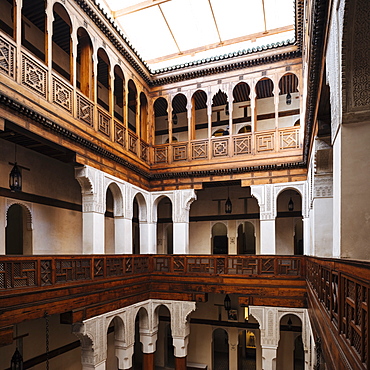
{"x": 220, "y": 44}
{"x": 137, "y": 7}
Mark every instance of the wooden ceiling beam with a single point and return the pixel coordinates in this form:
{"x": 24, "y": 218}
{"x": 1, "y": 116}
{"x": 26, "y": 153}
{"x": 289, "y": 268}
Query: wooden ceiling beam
{"x": 137, "y": 7}
{"x": 215, "y": 45}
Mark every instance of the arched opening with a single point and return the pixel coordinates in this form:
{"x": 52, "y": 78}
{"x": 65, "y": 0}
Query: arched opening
{"x": 135, "y": 228}
{"x": 119, "y": 83}
{"x": 220, "y": 240}
{"x": 141, "y": 323}
{"x": 115, "y": 332}
{"x": 62, "y": 42}
{"x": 103, "y": 79}
{"x": 289, "y": 223}
{"x": 220, "y": 346}
{"x": 164, "y": 355}
{"x": 164, "y": 226}
{"x": 160, "y": 120}
{"x": 220, "y": 112}
{"x": 7, "y": 17}
{"x": 246, "y": 241}
{"x": 265, "y": 107}
{"x": 245, "y": 129}
{"x": 143, "y": 117}
{"x": 247, "y": 350}
{"x": 241, "y": 107}
{"x": 132, "y": 106}
{"x": 18, "y": 233}
{"x": 289, "y": 103}
{"x": 290, "y": 352}
{"x": 199, "y": 118}
{"x": 34, "y": 27}
{"x": 85, "y": 72}
{"x": 109, "y": 223}
{"x": 180, "y": 117}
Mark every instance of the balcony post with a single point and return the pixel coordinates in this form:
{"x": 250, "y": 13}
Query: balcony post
{"x": 265, "y": 198}
{"x": 93, "y": 208}
{"x": 180, "y": 215}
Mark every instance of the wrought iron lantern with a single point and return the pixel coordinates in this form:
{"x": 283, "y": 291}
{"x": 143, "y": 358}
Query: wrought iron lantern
{"x": 17, "y": 361}
{"x": 227, "y": 303}
{"x": 228, "y": 204}
{"x": 290, "y": 205}
{"x": 288, "y": 99}
{"x": 15, "y": 178}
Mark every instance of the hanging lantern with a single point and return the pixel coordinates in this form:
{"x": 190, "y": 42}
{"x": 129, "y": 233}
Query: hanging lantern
{"x": 288, "y": 99}
{"x": 290, "y": 205}
{"x": 228, "y": 206}
{"x": 227, "y": 109}
{"x": 17, "y": 361}
{"x": 227, "y": 303}
{"x": 15, "y": 179}
{"x": 174, "y": 119}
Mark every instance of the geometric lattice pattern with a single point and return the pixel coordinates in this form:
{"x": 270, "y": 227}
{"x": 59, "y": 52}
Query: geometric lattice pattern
{"x": 265, "y": 142}
{"x": 160, "y": 154}
{"x": 7, "y": 58}
{"x": 62, "y": 94}
{"x": 85, "y": 110}
{"x": 220, "y": 148}
{"x": 34, "y": 76}
{"x": 289, "y": 139}
{"x": 103, "y": 122}
{"x": 132, "y": 142}
{"x": 180, "y": 152}
{"x": 199, "y": 150}
{"x": 242, "y": 145}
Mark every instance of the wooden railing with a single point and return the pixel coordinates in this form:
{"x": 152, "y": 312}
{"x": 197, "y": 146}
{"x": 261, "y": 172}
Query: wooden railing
{"x": 342, "y": 291}
{"x": 41, "y": 271}
{"x": 229, "y": 146}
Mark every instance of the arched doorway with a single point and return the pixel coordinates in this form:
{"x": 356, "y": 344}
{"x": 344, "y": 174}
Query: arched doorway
{"x": 165, "y": 353}
{"x": 246, "y": 241}
{"x": 247, "y": 350}
{"x": 220, "y": 240}
{"x": 164, "y": 226}
{"x": 289, "y": 223}
{"x": 18, "y": 231}
{"x": 109, "y": 223}
{"x": 135, "y": 228}
{"x": 290, "y": 353}
{"x": 115, "y": 332}
{"x": 220, "y": 344}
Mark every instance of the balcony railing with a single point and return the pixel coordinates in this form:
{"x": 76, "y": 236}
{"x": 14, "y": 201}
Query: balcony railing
{"x": 36, "y": 77}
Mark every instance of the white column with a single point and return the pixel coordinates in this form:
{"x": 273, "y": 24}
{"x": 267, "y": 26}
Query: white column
{"x": 124, "y": 354}
{"x": 125, "y": 239}
{"x": 267, "y": 234}
{"x": 307, "y": 251}
{"x": 180, "y": 326}
{"x": 120, "y": 238}
{"x": 265, "y": 197}
{"x": 93, "y": 232}
{"x": 148, "y": 338}
{"x": 233, "y": 347}
{"x": 93, "y": 208}
{"x": 148, "y": 237}
{"x": 269, "y": 357}
{"x": 180, "y": 215}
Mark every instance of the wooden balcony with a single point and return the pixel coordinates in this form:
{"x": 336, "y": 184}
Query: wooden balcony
{"x": 336, "y": 292}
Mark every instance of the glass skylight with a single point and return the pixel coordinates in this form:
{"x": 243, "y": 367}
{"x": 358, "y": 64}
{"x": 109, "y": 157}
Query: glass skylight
{"x": 173, "y": 32}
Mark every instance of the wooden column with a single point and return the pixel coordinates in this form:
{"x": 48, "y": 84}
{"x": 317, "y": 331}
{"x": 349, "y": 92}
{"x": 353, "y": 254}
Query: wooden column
{"x": 180, "y": 363}
{"x": 148, "y": 361}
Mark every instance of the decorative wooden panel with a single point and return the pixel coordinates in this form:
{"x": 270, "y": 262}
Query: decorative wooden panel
{"x": 220, "y": 147}
{"x": 242, "y": 145}
{"x": 104, "y": 122}
{"x": 7, "y": 61}
{"x": 72, "y": 270}
{"x": 119, "y": 134}
{"x": 34, "y": 76}
{"x": 18, "y": 274}
{"x": 289, "y": 138}
{"x": 199, "y": 150}
{"x": 288, "y": 266}
{"x": 132, "y": 142}
{"x": 85, "y": 110}
{"x": 160, "y": 154}
{"x": 180, "y": 152}
{"x": 243, "y": 266}
{"x": 265, "y": 142}
{"x": 62, "y": 94}
{"x": 144, "y": 151}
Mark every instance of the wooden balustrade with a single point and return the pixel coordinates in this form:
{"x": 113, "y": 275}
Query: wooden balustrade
{"x": 339, "y": 293}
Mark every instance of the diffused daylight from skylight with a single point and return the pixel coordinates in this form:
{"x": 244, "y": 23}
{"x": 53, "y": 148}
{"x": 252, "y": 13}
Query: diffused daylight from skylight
{"x": 173, "y": 32}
